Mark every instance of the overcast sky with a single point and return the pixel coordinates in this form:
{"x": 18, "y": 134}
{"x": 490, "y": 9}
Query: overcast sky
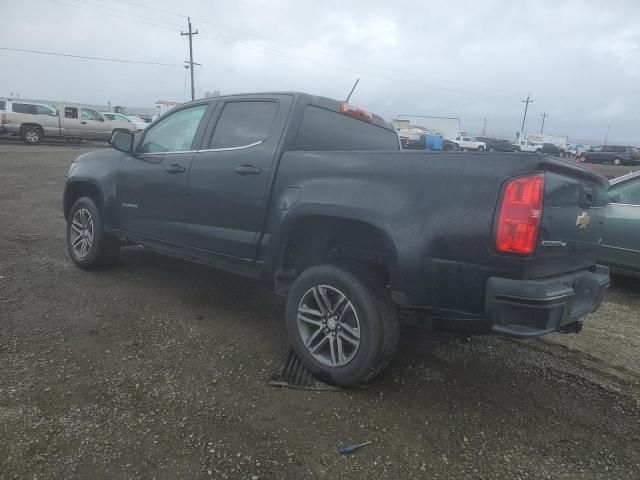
{"x": 579, "y": 60}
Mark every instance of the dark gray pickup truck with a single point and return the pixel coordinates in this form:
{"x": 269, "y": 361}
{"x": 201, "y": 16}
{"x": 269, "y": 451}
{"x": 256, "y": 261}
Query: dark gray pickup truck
{"x": 316, "y": 196}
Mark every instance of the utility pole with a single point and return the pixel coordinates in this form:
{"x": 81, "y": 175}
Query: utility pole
{"x": 484, "y": 127}
{"x": 526, "y": 106}
{"x": 190, "y": 62}
{"x": 544, "y": 115}
{"x": 606, "y": 135}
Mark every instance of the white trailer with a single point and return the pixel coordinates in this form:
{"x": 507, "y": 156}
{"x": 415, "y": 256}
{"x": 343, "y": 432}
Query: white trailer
{"x": 540, "y": 138}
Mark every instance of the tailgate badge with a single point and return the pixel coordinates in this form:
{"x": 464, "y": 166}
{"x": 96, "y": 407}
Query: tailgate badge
{"x": 583, "y": 220}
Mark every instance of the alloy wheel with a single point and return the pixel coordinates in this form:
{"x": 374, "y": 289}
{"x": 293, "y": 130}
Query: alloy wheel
{"x": 82, "y": 232}
{"x": 328, "y": 325}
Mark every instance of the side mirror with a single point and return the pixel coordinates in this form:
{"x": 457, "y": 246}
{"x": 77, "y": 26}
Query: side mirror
{"x": 122, "y": 141}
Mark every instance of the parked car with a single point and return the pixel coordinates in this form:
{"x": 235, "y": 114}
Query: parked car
{"x": 551, "y": 149}
{"x": 616, "y": 154}
{"x": 139, "y": 122}
{"x": 119, "y": 120}
{"x": 470, "y": 143}
{"x": 35, "y": 121}
{"x": 621, "y": 239}
{"x": 316, "y": 196}
{"x": 528, "y": 146}
{"x": 497, "y": 145}
{"x": 3, "y": 116}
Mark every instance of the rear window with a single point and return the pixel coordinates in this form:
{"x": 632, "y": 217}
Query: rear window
{"x": 24, "y": 108}
{"x": 324, "y": 130}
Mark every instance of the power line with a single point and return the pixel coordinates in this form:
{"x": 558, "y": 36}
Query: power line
{"x": 102, "y": 59}
{"x": 135, "y": 19}
{"x": 152, "y": 8}
{"x": 125, "y": 12}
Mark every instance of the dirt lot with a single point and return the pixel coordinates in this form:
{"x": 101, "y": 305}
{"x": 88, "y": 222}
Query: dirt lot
{"x": 157, "y": 369}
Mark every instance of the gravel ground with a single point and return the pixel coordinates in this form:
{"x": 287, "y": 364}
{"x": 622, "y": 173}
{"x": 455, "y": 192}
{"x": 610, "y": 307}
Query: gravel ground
{"x": 157, "y": 369}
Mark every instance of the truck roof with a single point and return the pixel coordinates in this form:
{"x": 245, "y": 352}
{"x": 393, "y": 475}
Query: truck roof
{"x": 317, "y": 100}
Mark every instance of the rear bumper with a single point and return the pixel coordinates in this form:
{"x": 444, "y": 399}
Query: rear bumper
{"x": 529, "y": 308}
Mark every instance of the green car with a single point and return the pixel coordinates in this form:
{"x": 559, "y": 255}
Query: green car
{"x": 621, "y": 242}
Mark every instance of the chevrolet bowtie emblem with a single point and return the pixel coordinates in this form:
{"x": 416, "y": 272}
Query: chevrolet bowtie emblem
{"x": 583, "y": 220}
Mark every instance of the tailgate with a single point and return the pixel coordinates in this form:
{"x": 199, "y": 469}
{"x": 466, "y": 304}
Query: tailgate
{"x": 572, "y": 220}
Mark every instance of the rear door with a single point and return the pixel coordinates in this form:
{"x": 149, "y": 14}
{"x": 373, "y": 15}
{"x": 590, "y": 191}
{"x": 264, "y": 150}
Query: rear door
{"x": 70, "y": 122}
{"x": 573, "y": 220}
{"x": 622, "y": 234}
{"x": 230, "y": 175}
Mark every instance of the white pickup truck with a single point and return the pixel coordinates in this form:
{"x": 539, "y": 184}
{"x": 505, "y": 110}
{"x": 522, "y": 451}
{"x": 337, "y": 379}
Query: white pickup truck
{"x": 35, "y": 121}
{"x": 528, "y": 146}
{"x": 467, "y": 142}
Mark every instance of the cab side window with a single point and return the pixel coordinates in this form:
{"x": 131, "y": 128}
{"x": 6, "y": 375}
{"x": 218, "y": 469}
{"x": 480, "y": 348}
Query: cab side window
{"x": 70, "y": 112}
{"x": 88, "y": 114}
{"x": 175, "y": 132}
{"x": 41, "y": 110}
{"x": 24, "y": 108}
{"x": 243, "y": 123}
{"x": 627, "y": 194}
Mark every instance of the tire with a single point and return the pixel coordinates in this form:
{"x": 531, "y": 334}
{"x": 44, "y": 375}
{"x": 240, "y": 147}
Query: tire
{"x": 88, "y": 245}
{"x": 539, "y": 150}
{"x": 31, "y": 135}
{"x": 367, "y": 309}
{"x": 480, "y": 149}
{"x": 617, "y": 161}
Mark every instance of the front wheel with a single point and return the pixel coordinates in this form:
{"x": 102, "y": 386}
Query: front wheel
{"x": 617, "y": 161}
{"x": 342, "y": 323}
{"x": 88, "y": 245}
{"x": 480, "y": 148}
{"x": 539, "y": 150}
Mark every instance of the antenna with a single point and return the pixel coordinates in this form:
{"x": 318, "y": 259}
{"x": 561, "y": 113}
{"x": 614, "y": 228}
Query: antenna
{"x": 352, "y": 89}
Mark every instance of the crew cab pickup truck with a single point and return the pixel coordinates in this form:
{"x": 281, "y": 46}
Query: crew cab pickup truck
{"x": 35, "y": 121}
{"x": 316, "y": 196}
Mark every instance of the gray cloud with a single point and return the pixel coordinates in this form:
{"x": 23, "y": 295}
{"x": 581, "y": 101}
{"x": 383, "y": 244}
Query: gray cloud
{"x": 578, "y": 59}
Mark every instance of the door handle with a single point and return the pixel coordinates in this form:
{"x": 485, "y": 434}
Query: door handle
{"x": 83, "y": 123}
{"x": 248, "y": 170}
{"x": 175, "y": 168}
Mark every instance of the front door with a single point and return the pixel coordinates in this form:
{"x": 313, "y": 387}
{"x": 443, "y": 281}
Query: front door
{"x": 93, "y": 125}
{"x": 621, "y": 242}
{"x": 229, "y": 178}
{"x": 152, "y": 184}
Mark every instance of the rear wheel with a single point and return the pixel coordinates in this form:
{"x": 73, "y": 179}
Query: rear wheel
{"x": 617, "y": 161}
{"x": 342, "y": 323}
{"x": 88, "y": 245}
{"x": 31, "y": 135}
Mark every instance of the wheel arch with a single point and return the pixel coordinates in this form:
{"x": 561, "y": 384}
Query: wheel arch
{"x": 81, "y": 188}
{"x": 311, "y": 239}
{"x": 31, "y": 125}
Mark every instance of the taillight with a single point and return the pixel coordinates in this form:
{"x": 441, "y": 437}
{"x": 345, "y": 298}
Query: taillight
{"x": 520, "y": 215}
{"x": 355, "y": 112}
